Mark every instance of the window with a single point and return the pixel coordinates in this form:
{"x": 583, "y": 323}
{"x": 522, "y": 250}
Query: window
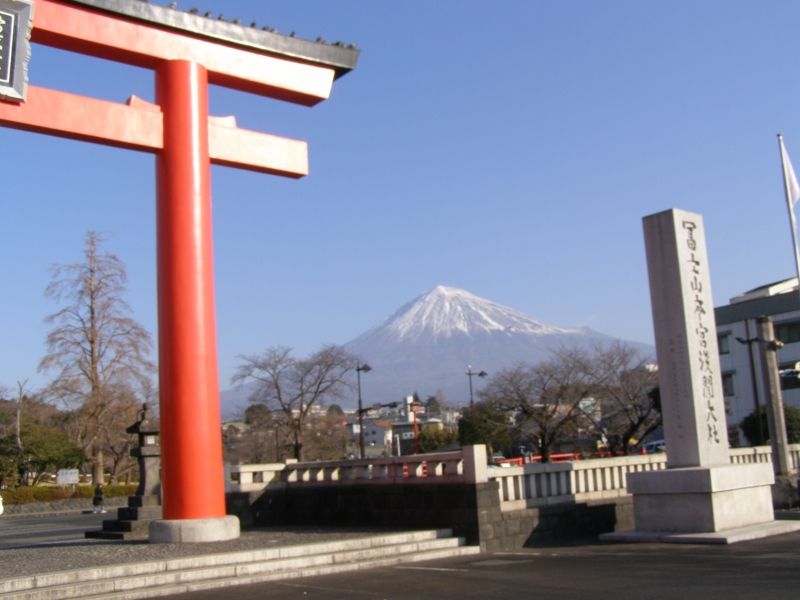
{"x": 728, "y": 388}
{"x": 788, "y": 332}
{"x": 724, "y": 343}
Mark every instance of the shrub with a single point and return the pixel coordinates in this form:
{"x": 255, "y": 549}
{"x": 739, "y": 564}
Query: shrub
{"x": 750, "y": 426}
{"x": 25, "y": 494}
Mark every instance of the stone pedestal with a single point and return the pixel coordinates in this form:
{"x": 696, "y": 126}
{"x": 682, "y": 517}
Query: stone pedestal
{"x": 702, "y": 499}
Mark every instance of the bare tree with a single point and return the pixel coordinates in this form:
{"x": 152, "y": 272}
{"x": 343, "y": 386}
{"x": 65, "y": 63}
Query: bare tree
{"x": 547, "y": 399}
{"x": 95, "y": 347}
{"x": 295, "y": 386}
{"x": 623, "y": 384}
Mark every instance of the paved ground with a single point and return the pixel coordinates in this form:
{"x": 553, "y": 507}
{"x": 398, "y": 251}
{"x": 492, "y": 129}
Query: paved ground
{"x": 29, "y": 531}
{"x": 767, "y": 569}
{"x": 44, "y": 543}
{"x": 759, "y": 570}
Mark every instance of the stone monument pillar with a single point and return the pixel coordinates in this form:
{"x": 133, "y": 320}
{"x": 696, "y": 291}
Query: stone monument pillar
{"x": 701, "y": 496}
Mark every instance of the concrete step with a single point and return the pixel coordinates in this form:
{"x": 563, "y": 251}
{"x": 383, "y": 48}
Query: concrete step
{"x": 137, "y": 501}
{"x": 142, "y": 527}
{"x": 135, "y": 513}
{"x": 145, "y": 580}
{"x": 99, "y": 534}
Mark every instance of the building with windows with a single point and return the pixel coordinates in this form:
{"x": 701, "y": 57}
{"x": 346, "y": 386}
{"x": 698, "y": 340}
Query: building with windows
{"x": 741, "y": 353}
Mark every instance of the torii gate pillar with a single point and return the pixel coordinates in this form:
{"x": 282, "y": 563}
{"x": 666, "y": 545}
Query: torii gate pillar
{"x": 187, "y": 52}
{"x": 187, "y": 351}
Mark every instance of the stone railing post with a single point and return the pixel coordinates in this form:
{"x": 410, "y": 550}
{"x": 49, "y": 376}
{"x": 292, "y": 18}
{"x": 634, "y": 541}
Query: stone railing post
{"x": 475, "y": 466}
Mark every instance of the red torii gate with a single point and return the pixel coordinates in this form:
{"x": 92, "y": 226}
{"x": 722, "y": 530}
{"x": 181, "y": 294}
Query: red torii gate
{"x": 187, "y": 52}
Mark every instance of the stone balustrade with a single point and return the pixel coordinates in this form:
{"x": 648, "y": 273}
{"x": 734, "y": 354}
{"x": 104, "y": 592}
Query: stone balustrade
{"x": 794, "y": 454}
{"x": 542, "y": 484}
{"x": 443, "y": 467}
{"x": 539, "y": 484}
{"x": 527, "y": 486}
{"x": 252, "y": 478}
{"x": 756, "y": 454}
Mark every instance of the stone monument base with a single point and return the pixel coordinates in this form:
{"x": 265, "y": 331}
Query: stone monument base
{"x": 179, "y": 531}
{"x": 714, "y": 504}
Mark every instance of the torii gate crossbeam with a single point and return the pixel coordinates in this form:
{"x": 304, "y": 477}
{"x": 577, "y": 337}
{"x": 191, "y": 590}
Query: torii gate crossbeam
{"x": 187, "y": 52}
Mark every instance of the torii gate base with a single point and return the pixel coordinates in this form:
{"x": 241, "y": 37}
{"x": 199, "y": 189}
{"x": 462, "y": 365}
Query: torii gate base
{"x": 186, "y": 51}
{"x": 176, "y": 531}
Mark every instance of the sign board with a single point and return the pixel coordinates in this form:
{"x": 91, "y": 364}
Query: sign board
{"x": 407, "y": 435}
{"x": 67, "y": 477}
{"x": 15, "y": 26}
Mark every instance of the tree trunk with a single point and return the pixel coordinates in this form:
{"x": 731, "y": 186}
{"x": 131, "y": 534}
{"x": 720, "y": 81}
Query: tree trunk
{"x": 298, "y": 450}
{"x": 97, "y": 468}
{"x": 18, "y": 424}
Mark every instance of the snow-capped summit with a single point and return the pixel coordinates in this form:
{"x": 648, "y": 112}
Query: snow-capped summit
{"x": 445, "y": 311}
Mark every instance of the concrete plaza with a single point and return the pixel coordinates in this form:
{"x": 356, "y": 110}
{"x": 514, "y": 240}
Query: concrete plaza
{"x": 766, "y": 569}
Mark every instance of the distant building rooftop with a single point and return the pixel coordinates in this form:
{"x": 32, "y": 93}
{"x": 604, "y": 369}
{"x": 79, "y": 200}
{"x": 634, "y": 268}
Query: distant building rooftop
{"x": 770, "y": 299}
{"x": 770, "y": 289}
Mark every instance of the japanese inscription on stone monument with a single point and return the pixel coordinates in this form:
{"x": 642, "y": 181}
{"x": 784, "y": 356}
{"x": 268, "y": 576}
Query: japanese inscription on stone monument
{"x": 696, "y": 277}
{"x": 686, "y": 340}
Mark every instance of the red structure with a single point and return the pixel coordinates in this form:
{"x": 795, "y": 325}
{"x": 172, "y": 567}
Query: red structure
{"x": 187, "y": 52}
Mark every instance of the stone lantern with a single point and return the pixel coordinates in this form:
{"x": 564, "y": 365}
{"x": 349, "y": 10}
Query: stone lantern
{"x": 147, "y": 452}
{"x": 133, "y": 521}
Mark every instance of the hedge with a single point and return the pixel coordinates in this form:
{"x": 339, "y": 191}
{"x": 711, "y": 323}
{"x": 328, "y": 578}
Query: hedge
{"x": 26, "y": 494}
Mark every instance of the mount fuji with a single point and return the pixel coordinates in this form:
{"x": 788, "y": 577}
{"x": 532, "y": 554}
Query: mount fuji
{"x": 429, "y": 343}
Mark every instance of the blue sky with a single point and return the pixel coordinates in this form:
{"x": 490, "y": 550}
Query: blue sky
{"x": 507, "y": 147}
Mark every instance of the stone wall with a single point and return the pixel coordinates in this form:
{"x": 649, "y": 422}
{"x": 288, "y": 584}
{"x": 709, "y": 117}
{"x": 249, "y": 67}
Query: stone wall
{"x": 472, "y": 511}
{"x": 558, "y": 524}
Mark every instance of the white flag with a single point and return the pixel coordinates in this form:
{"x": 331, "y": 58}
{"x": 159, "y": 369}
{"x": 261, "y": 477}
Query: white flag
{"x": 792, "y": 187}
{"x": 792, "y": 196}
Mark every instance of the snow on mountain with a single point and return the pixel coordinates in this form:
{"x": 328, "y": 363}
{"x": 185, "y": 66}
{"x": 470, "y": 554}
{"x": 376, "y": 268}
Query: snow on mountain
{"x": 445, "y": 311}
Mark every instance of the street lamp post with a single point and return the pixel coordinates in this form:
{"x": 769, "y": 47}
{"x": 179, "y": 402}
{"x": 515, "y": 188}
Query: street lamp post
{"x": 749, "y": 341}
{"x": 470, "y": 373}
{"x": 275, "y": 428}
{"x": 359, "y": 369}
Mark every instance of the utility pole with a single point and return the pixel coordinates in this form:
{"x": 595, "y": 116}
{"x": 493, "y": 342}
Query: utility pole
{"x": 365, "y": 368}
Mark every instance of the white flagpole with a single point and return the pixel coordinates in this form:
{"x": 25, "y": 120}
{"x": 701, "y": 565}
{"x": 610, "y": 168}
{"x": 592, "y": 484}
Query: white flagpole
{"x": 791, "y": 189}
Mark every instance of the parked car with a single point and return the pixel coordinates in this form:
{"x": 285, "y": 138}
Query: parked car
{"x": 655, "y": 446}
